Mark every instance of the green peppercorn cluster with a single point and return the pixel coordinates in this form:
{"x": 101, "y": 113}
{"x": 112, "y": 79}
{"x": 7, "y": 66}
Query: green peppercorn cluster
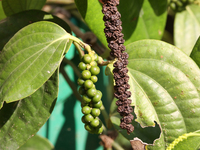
{"x": 179, "y": 5}
{"x": 91, "y": 97}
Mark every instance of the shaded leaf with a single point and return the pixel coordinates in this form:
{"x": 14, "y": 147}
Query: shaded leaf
{"x": 12, "y": 24}
{"x": 11, "y": 7}
{"x": 187, "y": 28}
{"x": 159, "y": 8}
{"x": 195, "y": 54}
{"x": 140, "y": 23}
{"x": 37, "y": 143}
{"x": 165, "y": 86}
{"x": 189, "y": 141}
{"x": 28, "y": 115}
{"x": 29, "y": 59}
{"x": 2, "y": 15}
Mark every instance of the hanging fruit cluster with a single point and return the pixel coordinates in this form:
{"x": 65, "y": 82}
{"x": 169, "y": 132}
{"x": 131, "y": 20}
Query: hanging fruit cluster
{"x": 179, "y": 5}
{"x": 115, "y": 41}
{"x": 91, "y": 97}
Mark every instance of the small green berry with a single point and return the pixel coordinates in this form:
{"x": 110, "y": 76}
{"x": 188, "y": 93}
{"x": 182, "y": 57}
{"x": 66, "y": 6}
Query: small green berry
{"x": 86, "y": 74}
{"x": 88, "y": 118}
{"x": 91, "y": 92}
{"x": 82, "y": 66}
{"x": 95, "y": 70}
{"x": 87, "y": 59}
{"x": 88, "y": 84}
{"x": 95, "y": 112}
{"x": 95, "y": 122}
{"x": 86, "y": 99}
{"x": 86, "y": 110}
{"x": 99, "y": 130}
{"x": 94, "y": 79}
{"x": 80, "y": 81}
{"x": 89, "y": 128}
{"x": 97, "y": 105}
{"x": 96, "y": 98}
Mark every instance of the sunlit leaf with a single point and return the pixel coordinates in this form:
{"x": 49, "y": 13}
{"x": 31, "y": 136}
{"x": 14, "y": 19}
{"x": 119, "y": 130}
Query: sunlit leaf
{"x": 165, "y": 86}
{"x": 30, "y": 58}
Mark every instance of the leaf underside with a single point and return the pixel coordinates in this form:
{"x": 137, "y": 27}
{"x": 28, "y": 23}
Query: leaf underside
{"x": 30, "y": 58}
{"x": 20, "y": 120}
{"x": 165, "y": 87}
{"x": 187, "y": 28}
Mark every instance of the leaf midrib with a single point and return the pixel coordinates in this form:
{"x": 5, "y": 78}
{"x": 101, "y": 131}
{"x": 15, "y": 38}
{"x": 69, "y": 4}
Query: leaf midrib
{"x": 62, "y": 38}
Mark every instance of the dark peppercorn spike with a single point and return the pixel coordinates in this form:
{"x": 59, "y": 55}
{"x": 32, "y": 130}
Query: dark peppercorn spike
{"x": 115, "y": 41}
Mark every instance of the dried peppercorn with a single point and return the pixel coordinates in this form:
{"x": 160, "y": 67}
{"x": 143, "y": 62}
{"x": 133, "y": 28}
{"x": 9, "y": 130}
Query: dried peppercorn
{"x": 115, "y": 41}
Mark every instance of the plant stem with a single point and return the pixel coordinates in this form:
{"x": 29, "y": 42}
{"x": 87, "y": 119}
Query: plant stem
{"x": 80, "y": 51}
{"x": 104, "y": 63}
{"x": 117, "y": 146}
{"x": 71, "y": 84}
{"x": 76, "y": 70}
{"x": 106, "y": 117}
{"x": 81, "y": 43}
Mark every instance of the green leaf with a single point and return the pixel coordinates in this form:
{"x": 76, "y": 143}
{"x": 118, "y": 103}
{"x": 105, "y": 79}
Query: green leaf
{"x": 187, "y": 28}
{"x": 12, "y": 24}
{"x": 30, "y": 58}
{"x": 159, "y": 8}
{"x": 37, "y": 143}
{"x": 20, "y": 120}
{"x": 189, "y": 141}
{"x": 2, "y": 15}
{"x": 165, "y": 86}
{"x": 11, "y": 7}
{"x": 139, "y": 21}
{"x": 147, "y": 134}
{"x": 195, "y": 55}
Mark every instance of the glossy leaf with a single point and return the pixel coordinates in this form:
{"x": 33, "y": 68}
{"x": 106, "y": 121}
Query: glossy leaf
{"x": 20, "y": 120}
{"x": 187, "y": 28}
{"x": 2, "y": 15}
{"x": 30, "y": 58}
{"x": 11, "y": 7}
{"x": 189, "y": 141}
{"x": 139, "y": 21}
{"x": 12, "y": 24}
{"x": 165, "y": 86}
{"x": 195, "y": 55}
{"x": 37, "y": 143}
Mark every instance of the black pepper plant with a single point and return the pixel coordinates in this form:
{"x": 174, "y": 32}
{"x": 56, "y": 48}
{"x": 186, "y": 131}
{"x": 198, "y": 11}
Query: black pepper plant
{"x": 154, "y": 71}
